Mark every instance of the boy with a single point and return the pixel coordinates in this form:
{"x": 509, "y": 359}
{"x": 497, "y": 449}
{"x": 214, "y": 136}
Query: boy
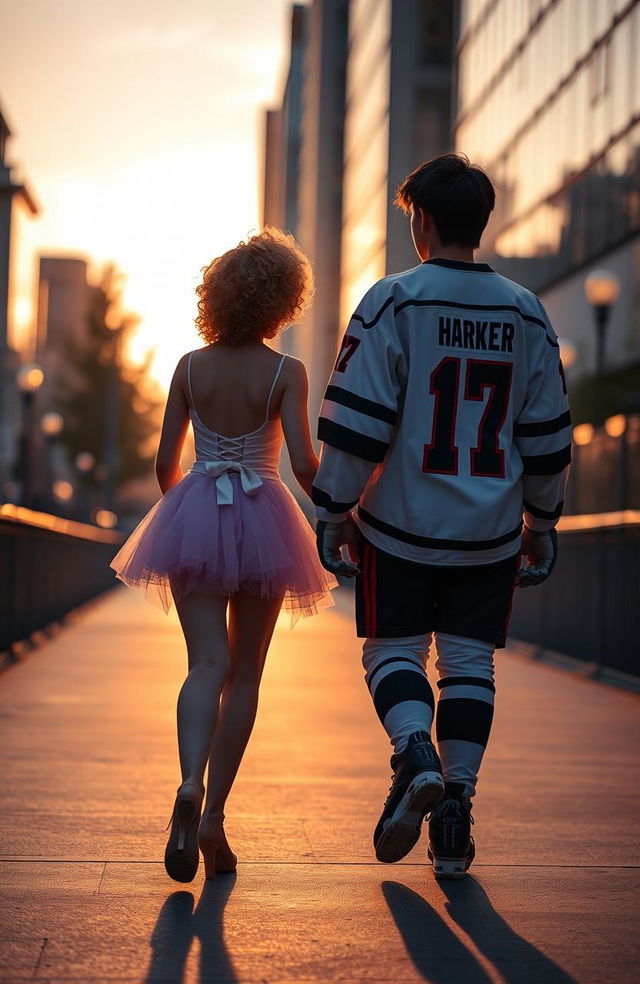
{"x": 446, "y": 423}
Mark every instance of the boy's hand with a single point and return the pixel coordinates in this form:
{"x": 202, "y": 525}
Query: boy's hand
{"x": 330, "y": 538}
{"x": 541, "y": 550}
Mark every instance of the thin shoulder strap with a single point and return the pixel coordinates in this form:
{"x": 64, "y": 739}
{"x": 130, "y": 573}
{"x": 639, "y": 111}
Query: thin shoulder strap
{"x": 273, "y": 386}
{"x": 192, "y": 404}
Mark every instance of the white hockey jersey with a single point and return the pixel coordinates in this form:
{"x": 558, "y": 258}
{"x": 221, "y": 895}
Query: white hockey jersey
{"x": 446, "y": 417}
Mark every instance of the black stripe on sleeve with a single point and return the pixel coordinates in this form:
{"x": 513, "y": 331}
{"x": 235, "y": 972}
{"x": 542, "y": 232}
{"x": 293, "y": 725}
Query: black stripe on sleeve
{"x": 466, "y": 682}
{"x": 543, "y": 513}
{"x": 433, "y": 542}
{"x": 376, "y": 319}
{"x": 336, "y": 394}
{"x": 547, "y": 464}
{"x": 345, "y": 439}
{"x": 543, "y": 427}
{"x": 323, "y": 499}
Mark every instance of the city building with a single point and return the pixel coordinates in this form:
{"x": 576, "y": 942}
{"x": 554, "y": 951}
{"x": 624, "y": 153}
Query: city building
{"x": 282, "y": 135}
{"x": 63, "y": 309}
{"x": 282, "y": 140}
{"x": 548, "y": 102}
{"x": 18, "y": 293}
{"x": 319, "y": 227}
{"x": 398, "y": 114}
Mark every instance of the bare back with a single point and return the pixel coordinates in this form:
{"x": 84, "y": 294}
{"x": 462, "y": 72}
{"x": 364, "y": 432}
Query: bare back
{"x": 231, "y": 387}
{"x": 230, "y": 392}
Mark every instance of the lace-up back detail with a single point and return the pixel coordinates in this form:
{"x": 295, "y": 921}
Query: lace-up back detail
{"x": 254, "y": 455}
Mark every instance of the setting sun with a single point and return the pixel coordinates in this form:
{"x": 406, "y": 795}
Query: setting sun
{"x": 147, "y": 155}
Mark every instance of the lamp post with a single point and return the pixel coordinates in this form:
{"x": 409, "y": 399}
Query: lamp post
{"x": 29, "y": 379}
{"x": 84, "y": 462}
{"x": 51, "y": 424}
{"x": 602, "y": 289}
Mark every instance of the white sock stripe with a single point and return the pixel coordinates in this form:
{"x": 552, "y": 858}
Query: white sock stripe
{"x": 406, "y": 718}
{"x": 461, "y": 762}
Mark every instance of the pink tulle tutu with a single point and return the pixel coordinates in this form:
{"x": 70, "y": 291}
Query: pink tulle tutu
{"x": 261, "y": 543}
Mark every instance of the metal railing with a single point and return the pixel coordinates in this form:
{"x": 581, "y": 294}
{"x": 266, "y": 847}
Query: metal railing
{"x": 48, "y": 566}
{"x": 605, "y": 471}
{"x": 589, "y": 608}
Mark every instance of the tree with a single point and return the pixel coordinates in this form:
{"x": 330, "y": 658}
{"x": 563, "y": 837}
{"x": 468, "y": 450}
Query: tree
{"x": 114, "y": 412}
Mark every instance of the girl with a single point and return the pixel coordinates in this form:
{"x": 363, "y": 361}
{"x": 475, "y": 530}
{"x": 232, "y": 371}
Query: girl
{"x": 228, "y": 537}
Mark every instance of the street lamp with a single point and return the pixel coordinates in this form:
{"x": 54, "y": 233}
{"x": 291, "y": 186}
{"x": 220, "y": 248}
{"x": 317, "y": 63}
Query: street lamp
{"x": 602, "y": 289}
{"x": 84, "y": 462}
{"x": 52, "y": 424}
{"x": 29, "y": 379}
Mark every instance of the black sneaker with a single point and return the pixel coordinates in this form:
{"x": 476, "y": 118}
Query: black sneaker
{"x": 451, "y": 846}
{"x": 417, "y": 786}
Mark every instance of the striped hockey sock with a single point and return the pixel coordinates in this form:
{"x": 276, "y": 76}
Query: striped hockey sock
{"x": 465, "y": 706}
{"x": 397, "y": 682}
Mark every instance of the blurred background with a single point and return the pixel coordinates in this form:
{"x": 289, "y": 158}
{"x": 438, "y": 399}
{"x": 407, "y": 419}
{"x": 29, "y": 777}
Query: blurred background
{"x": 139, "y": 140}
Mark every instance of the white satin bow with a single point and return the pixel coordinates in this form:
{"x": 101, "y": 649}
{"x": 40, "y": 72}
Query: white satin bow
{"x": 219, "y": 470}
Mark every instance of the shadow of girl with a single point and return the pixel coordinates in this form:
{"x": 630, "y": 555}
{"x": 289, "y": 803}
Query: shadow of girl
{"x": 179, "y": 924}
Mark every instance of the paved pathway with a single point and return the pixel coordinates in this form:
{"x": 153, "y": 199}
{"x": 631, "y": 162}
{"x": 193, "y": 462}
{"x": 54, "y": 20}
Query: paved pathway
{"x": 90, "y": 770}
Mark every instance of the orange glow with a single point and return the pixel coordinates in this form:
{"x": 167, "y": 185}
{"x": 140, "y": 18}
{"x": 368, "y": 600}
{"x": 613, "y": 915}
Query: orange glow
{"x": 582, "y": 433}
{"x": 52, "y": 424}
{"x": 63, "y": 490}
{"x": 45, "y": 521}
{"x": 30, "y": 378}
{"x": 615, "y": 426}
{"x": 602, "y": 287}
{"x": 106, "y": 518}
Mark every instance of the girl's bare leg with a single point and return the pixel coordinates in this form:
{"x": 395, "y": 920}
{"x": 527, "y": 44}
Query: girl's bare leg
{"x": 203, "y": 620}
{"x": 251, "y": 623}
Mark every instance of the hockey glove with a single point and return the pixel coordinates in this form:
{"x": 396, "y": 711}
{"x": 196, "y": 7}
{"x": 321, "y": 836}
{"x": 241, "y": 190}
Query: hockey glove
{"x": 541, "y": 550}
{"x": 330, "y": 538}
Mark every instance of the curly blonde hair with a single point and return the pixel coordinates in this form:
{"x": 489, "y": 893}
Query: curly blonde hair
{"x": 254, "y": 290}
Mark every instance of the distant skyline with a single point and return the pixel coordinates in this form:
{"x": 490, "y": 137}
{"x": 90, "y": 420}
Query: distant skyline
{"x": 137, "y": 125}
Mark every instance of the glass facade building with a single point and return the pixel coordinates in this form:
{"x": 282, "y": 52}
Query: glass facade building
{"x": 548, "y": 103}
{"x": 398, "y": 113}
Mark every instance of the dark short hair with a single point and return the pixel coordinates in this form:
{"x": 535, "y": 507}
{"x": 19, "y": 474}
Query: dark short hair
{"x": 457, "y": 195}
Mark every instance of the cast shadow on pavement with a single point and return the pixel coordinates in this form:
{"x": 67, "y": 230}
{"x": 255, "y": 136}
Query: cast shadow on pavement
{"x": 442, "y": 958}
{"x": 179, "y": 924}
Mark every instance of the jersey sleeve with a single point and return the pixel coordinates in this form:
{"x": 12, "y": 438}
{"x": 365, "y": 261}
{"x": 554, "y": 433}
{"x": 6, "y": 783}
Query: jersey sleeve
{"x": 359, "y": 412}
{"x": 542, "y": 433}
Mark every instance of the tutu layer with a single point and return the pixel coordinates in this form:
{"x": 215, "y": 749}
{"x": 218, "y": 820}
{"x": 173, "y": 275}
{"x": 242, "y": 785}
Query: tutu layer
{"x": 260, "y": 543}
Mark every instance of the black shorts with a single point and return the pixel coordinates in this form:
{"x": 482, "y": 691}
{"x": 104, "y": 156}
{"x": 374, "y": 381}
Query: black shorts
{"x": 396, "y": 597}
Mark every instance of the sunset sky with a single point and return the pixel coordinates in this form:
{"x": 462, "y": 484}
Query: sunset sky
{"x": 138, "y": 126}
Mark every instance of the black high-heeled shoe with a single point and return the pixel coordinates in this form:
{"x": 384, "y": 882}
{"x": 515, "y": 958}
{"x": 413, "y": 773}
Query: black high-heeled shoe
{"x": 181, "y": 856}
